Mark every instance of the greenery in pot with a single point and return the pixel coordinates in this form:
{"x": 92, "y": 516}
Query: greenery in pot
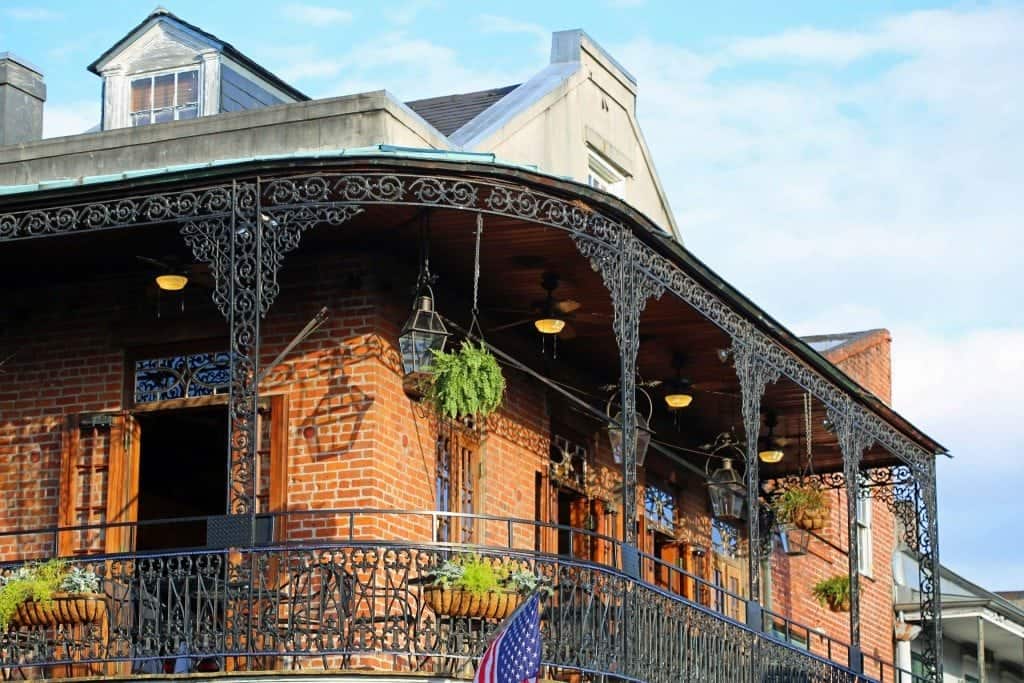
{"x": 466, "y": 383}
{"x": 806, "y": 506}
{"x": 38, "y": 581}
{"x": 479, "y": 575}
{"x": 833, "y": 592}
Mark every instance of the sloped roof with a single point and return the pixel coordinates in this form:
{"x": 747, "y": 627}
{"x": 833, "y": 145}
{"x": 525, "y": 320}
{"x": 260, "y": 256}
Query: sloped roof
{"x": 829, "y": 343}
{"x": 227, "y": 48}
{"x": 448, "y": 113}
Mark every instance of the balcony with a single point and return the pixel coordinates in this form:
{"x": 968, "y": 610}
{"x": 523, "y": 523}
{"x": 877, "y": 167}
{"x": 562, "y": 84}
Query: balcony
{"x": 354, "y": 599}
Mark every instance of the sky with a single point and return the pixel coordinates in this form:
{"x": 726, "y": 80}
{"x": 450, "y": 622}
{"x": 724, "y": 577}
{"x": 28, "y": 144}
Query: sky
{"x": 846, "y": 165}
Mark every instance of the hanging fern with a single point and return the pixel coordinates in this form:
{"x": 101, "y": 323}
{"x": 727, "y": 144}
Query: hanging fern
{"x": 466, "y": 383}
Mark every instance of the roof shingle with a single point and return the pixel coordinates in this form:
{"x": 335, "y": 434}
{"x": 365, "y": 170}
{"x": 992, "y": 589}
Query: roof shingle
{"x": 448, "y": 113}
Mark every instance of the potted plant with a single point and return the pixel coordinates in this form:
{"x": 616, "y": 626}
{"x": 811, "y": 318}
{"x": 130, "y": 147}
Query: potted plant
{"x": 833, "y": 592}
{"x": 50, "y": 593}
{"x": 805, "y": 505}
{"x": 465, "y": 383}
{"x": 475, "y": 586}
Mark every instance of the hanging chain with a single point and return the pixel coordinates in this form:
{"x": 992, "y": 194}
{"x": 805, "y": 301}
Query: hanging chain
{"x": 474, "y": 325}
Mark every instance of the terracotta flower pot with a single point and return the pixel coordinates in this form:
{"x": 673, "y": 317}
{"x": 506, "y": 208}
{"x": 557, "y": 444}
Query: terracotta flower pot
{"x": 811, "y": 520}
{"x": 459, "y": 603}
{"x": 66, "y": 609}
{"x": 839, "y": 605}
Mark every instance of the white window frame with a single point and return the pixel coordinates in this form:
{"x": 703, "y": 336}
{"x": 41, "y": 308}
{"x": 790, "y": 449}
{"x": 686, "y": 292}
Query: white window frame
{"x": 152, "y": 76}
{"x": 865, "y": 537}
{"x": 603, "y": 175}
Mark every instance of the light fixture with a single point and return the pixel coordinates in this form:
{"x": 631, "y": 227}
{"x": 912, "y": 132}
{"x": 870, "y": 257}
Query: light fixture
{"x": 727, "y": 492}
{"x": 678, "y": 394}
{"x": 794, "y": 540}
{"x": 171, "y": 282}
{"x": 643, "y": 430}
{"x": 771, "y": 453}
{"x": 422, "y": 334}
{"x": 549, "y": 325}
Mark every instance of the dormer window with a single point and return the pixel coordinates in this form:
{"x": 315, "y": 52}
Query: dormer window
{"x": 603, "y": 175}
{"x": 165, "y": 97}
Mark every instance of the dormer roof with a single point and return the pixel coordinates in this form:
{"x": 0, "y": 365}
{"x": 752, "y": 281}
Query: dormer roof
{"x": 161, "y": 14}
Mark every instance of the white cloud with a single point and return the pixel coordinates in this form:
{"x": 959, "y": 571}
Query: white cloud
{"x": 69, "y": 119}
{"x": 315, "y": 15}
{"x": 492, "y": 23}
{"x": 32, "y": 14}
{"x": 405, "y": 13}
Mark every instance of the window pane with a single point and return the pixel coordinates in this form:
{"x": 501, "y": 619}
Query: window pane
{"x": 163, "y": 91}
{"x": 140, "y": 94}
{"x": 189, "y": 112}
{"x": 188, "y": 82}
{"x": 163, "y": 115}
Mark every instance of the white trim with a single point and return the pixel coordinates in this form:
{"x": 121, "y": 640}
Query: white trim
{"x": 865, "y": 535}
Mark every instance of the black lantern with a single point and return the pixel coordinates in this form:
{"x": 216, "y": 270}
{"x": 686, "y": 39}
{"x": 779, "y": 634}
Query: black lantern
{"x": 794, "y": 540}
{"x": 727, "y": 492}
{"x": 422, "y": 334}
{"x": 643, "y": 431}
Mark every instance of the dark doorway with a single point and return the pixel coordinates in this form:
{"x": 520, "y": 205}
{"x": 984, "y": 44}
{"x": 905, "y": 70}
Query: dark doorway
{"x": 182, "y": 473}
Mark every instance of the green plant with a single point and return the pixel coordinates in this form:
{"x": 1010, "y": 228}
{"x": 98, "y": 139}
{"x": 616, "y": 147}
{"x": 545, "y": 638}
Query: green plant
{"x": 800, "y": 501}
{"x": 833, "y": 592}
{"x": 466, "y": 383}
{"x": 38, "y": 581}
{"x": 479, "y": 575}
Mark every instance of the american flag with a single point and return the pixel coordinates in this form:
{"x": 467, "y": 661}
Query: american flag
{"x": 514, "y": 654}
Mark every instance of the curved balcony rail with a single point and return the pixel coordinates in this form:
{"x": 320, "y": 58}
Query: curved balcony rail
{"x": 350, "y": 589}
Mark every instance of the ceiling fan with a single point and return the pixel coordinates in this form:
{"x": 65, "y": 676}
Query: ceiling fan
{"x": 550, "y": 316}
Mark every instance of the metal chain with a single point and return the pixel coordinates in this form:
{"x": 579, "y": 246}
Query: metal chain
{"x": 474, "y": 325}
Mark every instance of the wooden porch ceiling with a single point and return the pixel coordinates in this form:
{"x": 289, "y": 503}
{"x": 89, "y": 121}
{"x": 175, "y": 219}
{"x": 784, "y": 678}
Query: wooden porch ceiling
{"x": 514, "y": 255}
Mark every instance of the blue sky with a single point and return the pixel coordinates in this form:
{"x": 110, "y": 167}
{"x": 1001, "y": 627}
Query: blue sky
{"x": 847, "y": 165}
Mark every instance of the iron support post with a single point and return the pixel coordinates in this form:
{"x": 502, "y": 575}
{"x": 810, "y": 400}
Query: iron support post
{"x": 754, "y": 374}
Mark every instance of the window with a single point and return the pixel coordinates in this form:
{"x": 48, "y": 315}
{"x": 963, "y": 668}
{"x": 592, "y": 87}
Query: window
{"x": 181, "y": 376}
{"x": 165, "y": 97}
{"x": 865, "y": 557}
{"x": 660, "y": 508}
{"x": 602, "y": 175}
{"x": 455, "y": 483}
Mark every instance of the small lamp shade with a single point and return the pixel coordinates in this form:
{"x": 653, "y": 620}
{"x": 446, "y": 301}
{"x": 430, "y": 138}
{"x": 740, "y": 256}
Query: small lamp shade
{"x": 727, "y": 493}
{"x": 422, "y": 334}
{"x": 770, "y": 455}
{"x": 171, "y": 282}
{"x": 549, "y": 325}
{"x": 677, "y": 400}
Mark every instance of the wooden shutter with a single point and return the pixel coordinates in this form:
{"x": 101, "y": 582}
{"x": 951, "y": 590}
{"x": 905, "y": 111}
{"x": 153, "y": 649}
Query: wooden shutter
{"x": 99, "y": 483}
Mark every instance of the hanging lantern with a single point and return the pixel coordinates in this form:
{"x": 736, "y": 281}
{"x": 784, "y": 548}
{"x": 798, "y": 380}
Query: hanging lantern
{"x": 643, "y": 431}
{"x": 727, "y": 492}
{"x": 422, "y": 334}
{"x": 794, "y": 540}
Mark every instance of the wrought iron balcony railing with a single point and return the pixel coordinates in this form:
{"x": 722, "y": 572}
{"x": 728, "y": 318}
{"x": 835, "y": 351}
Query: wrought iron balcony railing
{"x": 355, "y": 595}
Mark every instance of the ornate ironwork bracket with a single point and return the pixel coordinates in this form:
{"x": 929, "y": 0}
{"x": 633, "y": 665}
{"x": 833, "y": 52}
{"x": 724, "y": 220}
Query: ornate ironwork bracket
{"x": 612, "y": 253}
{"x": 754, "y": 374}
{"x": 245, "y": 251}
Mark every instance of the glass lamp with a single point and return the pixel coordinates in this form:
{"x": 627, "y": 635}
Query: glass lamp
{"x": 422, "y": 334}
{"x": 643, "y": 430}
{"x": 727, "y": 492}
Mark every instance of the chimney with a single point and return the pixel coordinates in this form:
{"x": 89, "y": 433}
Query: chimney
{"x": 22, "y": 93}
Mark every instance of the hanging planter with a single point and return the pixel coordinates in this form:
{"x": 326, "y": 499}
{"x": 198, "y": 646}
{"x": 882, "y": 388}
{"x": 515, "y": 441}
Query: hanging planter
{"x": 480, "y": 587}
{"x": 49, "y": 594}
{"x": 466, "y": 383}
{"x": 834, "y": 593}
{"x": 804, "y": 505}
{"x": 62, "y": 609}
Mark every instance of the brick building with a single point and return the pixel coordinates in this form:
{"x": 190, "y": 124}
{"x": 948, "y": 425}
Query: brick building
{"x": 237, "y": 452}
